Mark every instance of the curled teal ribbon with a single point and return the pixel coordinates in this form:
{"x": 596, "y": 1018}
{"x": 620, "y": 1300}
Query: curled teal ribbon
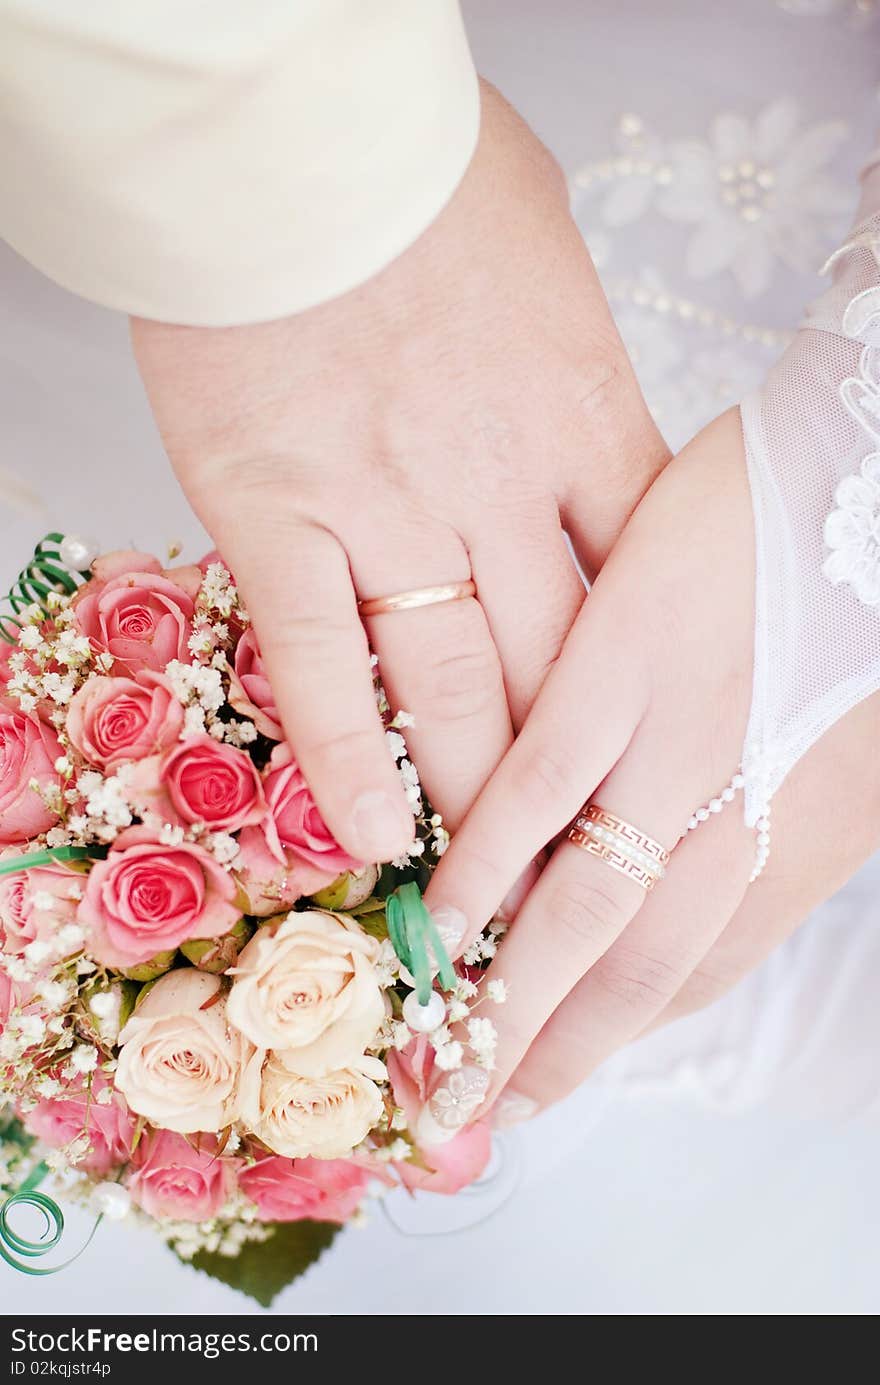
{"x": 13, "y": 1245}
{"x": 410, "y": 929}
{"x": 43, "y": 575}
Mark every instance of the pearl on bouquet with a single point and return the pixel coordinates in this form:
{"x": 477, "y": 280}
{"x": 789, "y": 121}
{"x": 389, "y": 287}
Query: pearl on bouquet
{"x": 78, "y": 553}
{"x": 111, "y": 1200}
{"x": 424, "y": 1019}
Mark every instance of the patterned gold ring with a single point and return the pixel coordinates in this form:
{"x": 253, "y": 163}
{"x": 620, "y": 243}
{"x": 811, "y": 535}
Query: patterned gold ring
{"x": 620, "y": 845}
{"x": 421, "y": 596}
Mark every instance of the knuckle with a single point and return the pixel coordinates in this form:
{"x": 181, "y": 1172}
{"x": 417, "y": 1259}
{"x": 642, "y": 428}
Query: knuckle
{"x": 462, "y": 685}
{"x": 602, "y": 379}
{"x": 298, "y": 635}
{"x": 703, "y": 987}
{"x": 586, "y": 912}
{"x": 638, "y": 981}
{"x": 548, "y": 780}
{"x": 336, "y": 754}
{"x": 562, "y": 1069}
{"x": 480, "y": 865}
{"x": 216, "y": 472}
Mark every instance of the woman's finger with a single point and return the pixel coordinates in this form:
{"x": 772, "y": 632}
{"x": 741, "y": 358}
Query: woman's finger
{"x": 583, "y": 907}
{"x": 582, "y": 722}
{"x": 644, "y": 968}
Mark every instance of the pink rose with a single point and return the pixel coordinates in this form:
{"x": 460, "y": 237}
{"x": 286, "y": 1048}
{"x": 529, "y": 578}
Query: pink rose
{"x": 181, "y": 1181}
{"x": 111, "y": 720}
{"x": 249, "y": 690}
{"x": 146, "y": 898}
{"x": 28, "y": 750}
{"x": 125, "y": 560}
{"x": 294, "y": 821}
{"x": 450, "y": 1166}
{"x": 211, "y": 782}
{"x": 110, "y": 1128}
{"x": 35, "y": 903}
{"x": 413, "y": 1077}
{"x": 6, "y": 653}
{"x": 299, "y": 1189}
{"x": 269, "y": 885}
{"x": 140, "y": 617}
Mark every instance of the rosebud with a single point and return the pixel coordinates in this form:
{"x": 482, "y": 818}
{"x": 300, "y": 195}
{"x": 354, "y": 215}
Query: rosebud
{"x": 348, "y": 890}
{"x": 155, "y": 967}
{"x": 217, "y": 954}
{"x": 104, "y": 1010}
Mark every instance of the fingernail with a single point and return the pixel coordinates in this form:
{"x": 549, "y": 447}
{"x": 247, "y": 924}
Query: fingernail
{"x": 380, "y": 826}
{"x": 453, "y": 1104}
{"x": 514, "y": 899}
{"x": 451, "y": 924}
{"x": 511, "y": 1108}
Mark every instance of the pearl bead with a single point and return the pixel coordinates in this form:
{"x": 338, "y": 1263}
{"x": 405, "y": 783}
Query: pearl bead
{"x": 424, "y": 1018}
{"x": 728, "y": 795}
{"x": 763, "y": 839}
{"x": 701, "y": 814}
{"x": 78, "y": 553}
{"x": 715, "y": 805}
{"x": 763, "y": 824}
{"x": 693, "y": 824}
{"x": 111, "y": 1200}
{"x": 738, "y": 781}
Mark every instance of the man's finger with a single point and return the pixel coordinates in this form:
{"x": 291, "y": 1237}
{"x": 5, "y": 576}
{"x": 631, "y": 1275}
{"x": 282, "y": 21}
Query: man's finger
{"x": 531, "y": 591}
{"x": 298, "y": 590}
{"x": 439, "y": 664}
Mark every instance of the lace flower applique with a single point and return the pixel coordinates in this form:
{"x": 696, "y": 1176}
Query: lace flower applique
{"x": 852, "y": 529}
{"x": 852, "y": 532}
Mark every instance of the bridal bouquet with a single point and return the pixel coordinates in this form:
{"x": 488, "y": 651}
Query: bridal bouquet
{"x": 211, "y": 1017}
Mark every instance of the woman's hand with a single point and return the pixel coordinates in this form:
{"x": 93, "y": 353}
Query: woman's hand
{"x": 439, "y": 423}
{"x": 645, "y": 714}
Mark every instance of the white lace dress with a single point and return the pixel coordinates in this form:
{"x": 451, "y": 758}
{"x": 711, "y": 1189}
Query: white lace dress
{"x": 713, "y": 151}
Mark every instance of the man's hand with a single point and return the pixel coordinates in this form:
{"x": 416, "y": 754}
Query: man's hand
{"x": 443, "y": 421}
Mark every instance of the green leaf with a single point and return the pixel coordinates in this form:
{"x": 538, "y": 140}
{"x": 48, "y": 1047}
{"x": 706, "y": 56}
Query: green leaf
{"x": 263, "y": 1268}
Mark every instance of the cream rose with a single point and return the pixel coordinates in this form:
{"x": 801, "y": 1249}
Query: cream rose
{"x": 180, "y": 1062}
{"x": 311, "y": 1117}
{"x": 306, "y": 987}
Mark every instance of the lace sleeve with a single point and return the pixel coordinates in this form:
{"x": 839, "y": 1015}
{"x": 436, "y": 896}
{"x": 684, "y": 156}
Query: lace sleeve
{"x": 812, "y": 438}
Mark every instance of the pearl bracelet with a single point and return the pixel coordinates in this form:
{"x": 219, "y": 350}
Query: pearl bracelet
{"x": 762, "y": 826}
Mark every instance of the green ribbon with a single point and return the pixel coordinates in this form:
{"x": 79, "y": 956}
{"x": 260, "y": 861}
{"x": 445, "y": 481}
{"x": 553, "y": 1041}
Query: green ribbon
{"x": 411, "y": 928}
{"x": 51, "y": 856}
{"x": 42, "y": 576}
{"x": 13, "y": 1245}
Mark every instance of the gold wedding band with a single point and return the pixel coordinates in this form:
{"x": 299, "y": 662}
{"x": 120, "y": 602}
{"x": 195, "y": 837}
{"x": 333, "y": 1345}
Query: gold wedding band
{"x": 620, "y": 845}
{"x": 421, "y": 596}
